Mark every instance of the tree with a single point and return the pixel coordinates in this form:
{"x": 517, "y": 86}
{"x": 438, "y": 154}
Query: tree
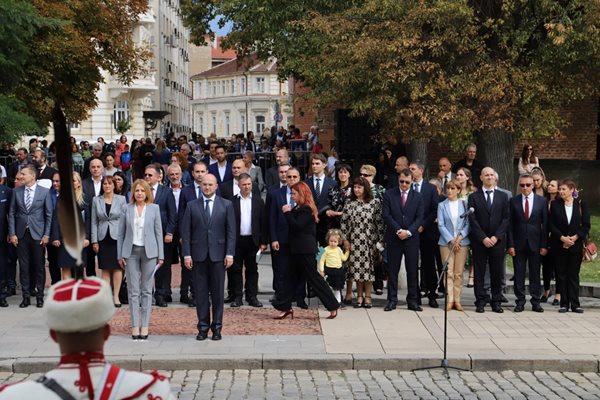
{"x": 454, "y": 70}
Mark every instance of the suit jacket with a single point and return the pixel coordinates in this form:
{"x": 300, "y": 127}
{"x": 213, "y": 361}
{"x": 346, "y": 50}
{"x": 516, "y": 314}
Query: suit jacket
{"x": 5, "y": 200}
{"x": 102, "y": 222}
{"x": 444, "y": 222}
{"x": 47, "y": 173}
{"x": 11, "y": 172}
{"x": 188, "y": 194}
{"x": 430, "y": 198}
{"x": 278, "y": 225}
{"x": 153, "y": 234}
{"x": 214, "y": 169}
{"x": 492, "y": 222}
{"x": 168, "y": 210}
{"x": 303, "y": 229}
{"x": 559, "y": 225}
{"x": 259, "y": 219}
{"x": 532, "y": 232}
{"x": 272, "y": 176}
{"x": 395, "y": 217}
{"x": 38, "y": 218}
{"x": 321, "y": 200}
{"x": 214, "y": 239}
{"x": 226, "y": 190}
{"x": 88, "y": 192}
{"x": 257, "y": 178}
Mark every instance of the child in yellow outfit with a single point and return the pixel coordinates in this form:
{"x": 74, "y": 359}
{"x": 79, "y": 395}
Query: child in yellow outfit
{"x": 330, "y": 264}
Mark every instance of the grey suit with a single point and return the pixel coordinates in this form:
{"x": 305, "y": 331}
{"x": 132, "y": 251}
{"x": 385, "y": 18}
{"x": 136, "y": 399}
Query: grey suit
{"x": 30, "y": 226}
{"x": 140, "y": 260}
{"x": 207, "y": 242}
{"x": 101, "y": 222}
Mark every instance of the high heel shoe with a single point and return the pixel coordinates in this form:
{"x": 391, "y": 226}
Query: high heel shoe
{"x": 285, "y": 314}
{"x": 332, "y": 315}
{"x": 471, "y": 281}
{"x": 358, "y": 304}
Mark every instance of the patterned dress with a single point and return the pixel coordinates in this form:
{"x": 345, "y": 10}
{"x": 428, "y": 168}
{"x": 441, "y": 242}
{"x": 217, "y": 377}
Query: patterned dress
{"x": 337, "y": 198}
{"x": 362, "y": 223}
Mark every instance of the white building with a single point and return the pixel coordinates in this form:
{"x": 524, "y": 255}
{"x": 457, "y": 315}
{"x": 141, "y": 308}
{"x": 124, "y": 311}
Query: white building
{"x": 166, "y": 88}
{"x": 238, "y": 96}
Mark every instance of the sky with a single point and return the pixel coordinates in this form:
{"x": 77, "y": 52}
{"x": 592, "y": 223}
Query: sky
{"x": 214, "y": 25}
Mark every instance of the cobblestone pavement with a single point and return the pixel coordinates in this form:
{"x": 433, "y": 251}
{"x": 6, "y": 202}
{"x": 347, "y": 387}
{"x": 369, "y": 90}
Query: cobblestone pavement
{"x": 363, "y": 384}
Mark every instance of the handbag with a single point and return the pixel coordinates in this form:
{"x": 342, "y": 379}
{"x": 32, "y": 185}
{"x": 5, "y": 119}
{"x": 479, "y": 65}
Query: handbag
{"x": 123, "y": 292}
{"x": 590, "y": 252}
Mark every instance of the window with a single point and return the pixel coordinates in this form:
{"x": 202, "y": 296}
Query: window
{"x": 209, "y": 86}
{"x": 260, "y": 123}
{"x": 223, "y": 88}
{"x": 201, "y": 125}
{"x": 243, "y": 86}
{"x": 120, "y": 112}
{"x": 199, "y": 89}
{"x": 214, "y": 124}
{"x": 260, "y": 85}
{"x": 214, "y": 91}
{"x": 227, "y": 124}
{"x": 243, "y": 122}
{"x": 232, "y": 86}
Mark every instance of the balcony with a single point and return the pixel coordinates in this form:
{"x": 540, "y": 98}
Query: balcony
{"x": 140, "y": 88}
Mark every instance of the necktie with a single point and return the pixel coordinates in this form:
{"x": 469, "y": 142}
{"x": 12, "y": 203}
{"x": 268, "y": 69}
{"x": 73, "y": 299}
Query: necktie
{"x": 28, "y": 198}
{"x": 489, "y": 199}
{"x": 526, "y": 208}
{"x": 207, "y": 209}
{"x": 403, "y": 199}
{"x": 444, "y": 184}
{"x": 416, "y": 188}
{"x": 318, "y": 187}
{"x": 197, "y": 192}
{"x": 292, "y": 202}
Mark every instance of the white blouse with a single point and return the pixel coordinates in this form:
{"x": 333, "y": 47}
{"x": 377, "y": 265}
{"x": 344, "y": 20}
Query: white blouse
{"x": 569, "y": 211}
{"x": 454, "y": 215}
{"x": 138, "y": 227}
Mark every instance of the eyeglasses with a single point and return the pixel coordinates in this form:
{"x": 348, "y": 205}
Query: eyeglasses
{"x": 293, "y": 177}
{"x": 405, "y": 182}
{"x": 524, "y": 184}
{"x": 147, "y": 175}
{"x": 366, "y": 175}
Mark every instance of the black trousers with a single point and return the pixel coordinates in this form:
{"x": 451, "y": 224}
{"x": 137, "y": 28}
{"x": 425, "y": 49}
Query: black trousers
{"x": 245, "y": 256}
{"x": 481, "y": 257}
{"x": 548, "y": 270}
{"x": 186, "y": 288}
{"x": 429, "y": 277}
{"x": 209, "y": 292}
{"x": 11, "y": 266}
{"x": 162, "y": 279}
{"x": 523, "y": 259}
{"x": 31, "y": 265}
{"x": 90, "y": 264}
{"x": 280, "y": 263}
{"x": 568, "y": 264}
{"x": 397, "y": 249}
{"x": 53, "y": 267}
{"x": 305, "y": 266}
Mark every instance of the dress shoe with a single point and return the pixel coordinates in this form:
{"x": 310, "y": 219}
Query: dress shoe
{"x": 184, "y": 299}
{"x": 433, "y": 303}
{"x": 391, "y": 305}
{"x": 169, "y": 298}
{"x": 285, "y": 314}
{"x": 236, "y": 303}
{"x": 118, "y": 305}
{"x": 332, "y": 314}
{"x": 253, "y": 302}
{"x": 135, "y": 338}
{"x": 458, "y": 307}
{"x": 39, "y": 302}
{"x": 216, "y": 335}
{"x": 358, "y": 304}
{"x": 578, "y": 310}
{"x": 3, "y": 303}
{"x": 302, "y": 304}
{"x": 379, "y": 292}
{"x": 449, "y": 306}
{"x": 556, "y": 302}
{"x": 519, "y": 308}
{"x": 202, "y": 335}
{"x": 498, "y": 309}
{"x": 537, "y": 308}
{"x": 25, "y": 303}
{"x": 563, "y": 310}
{"x": 503, "y": 299}
{"x": 347, "y": 301}
{"x": 11, "y": 292}
{"x": 229, "y": 299}
{"x": 480, "y": 309}
{"x": 415, "y": 307}
{"x": 160, "y": 301}
{"x": 192, "y": 303}
{"x": 143, "y": 337}
{"x": 368, "y": 305}
{"x": 544, "y": 299}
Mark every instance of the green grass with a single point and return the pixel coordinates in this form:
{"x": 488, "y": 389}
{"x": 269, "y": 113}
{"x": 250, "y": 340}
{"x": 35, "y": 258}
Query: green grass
{"x": 590, "y": 272}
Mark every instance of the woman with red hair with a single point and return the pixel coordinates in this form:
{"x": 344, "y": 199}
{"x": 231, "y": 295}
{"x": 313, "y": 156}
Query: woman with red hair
{"x": 302, "y": 224}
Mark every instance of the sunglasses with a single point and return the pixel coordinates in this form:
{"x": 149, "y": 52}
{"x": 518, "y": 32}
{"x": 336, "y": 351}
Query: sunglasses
{"x": 147, "y": 175}
{"x": 405, "y": 182}
{"x": 366, "y": 175}
{"x": 293, "y": 177}
{"x": 524, "y": 184}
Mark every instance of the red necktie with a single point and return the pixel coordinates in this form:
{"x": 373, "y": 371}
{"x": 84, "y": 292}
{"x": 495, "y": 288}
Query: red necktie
{"x": 526, "y": 209}
{"x": 403, "y": 199}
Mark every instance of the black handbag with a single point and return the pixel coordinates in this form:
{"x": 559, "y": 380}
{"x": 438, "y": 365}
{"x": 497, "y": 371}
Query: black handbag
{"x": 123, "y": 292}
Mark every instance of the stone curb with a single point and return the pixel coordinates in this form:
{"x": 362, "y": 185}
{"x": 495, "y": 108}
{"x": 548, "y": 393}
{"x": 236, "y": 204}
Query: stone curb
{"x": 323, "y": 362}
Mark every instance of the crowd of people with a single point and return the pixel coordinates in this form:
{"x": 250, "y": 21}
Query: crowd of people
{"x": 328, "y": 231}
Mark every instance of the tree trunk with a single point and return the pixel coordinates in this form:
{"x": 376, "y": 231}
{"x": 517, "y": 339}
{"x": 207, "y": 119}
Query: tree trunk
{"x": 417, "y": 151}
{"x": 495, "y": 148}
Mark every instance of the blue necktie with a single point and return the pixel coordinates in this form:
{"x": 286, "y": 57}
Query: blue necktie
{"x": 489, "y": 199}
{"x": 207, "y": 209}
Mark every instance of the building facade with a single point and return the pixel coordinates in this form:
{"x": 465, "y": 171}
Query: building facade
{"x": 239, "y": 96}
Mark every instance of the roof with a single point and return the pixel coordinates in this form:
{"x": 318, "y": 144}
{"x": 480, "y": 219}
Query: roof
{"x": 249, "y": 64}
{"x": 217, "y": 52}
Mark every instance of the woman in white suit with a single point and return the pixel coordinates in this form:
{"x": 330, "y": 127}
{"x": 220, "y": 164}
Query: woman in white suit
{"x": 106, "y": 212}
{"x": 139, "y": 250}
{"x": 454, "y": 241}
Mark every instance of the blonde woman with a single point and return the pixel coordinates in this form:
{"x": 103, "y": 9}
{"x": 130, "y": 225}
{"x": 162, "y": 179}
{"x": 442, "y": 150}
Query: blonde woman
{"x": 139, "y": 250}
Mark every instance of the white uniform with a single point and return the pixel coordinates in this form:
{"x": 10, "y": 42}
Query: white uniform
{"x": 107, "y": 383}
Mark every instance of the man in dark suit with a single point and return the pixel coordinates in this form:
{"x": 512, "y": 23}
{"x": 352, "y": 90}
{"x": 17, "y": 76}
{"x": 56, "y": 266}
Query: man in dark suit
{"x": 53, "y": 267}
{"x": 278, "y": 276}
{"x": 528, "y": 241}
{"x": 208, "y": 224}
{"x": 489, "y": 224}
{"x": 45, "y": 173}
{"x": 163, "y": 196}
{"x": 427, "y": 231}
{"x": 29, "y": 222}
{"x": 251, "y": 235}
{"x": 230, "y": 189}
{"x": 272, "y": 174}
{"x": 5, "y": 199}
{"x": 92, "y": 187}
{"x": 222, "y": 168}
{"x": 16, "y": 166}
{"x": 403, "y": 215}
{"x": 319, "y": 185}
{"x": 97, "y": 149}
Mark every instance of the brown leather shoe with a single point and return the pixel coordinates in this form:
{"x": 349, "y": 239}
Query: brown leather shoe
{"x": 450, "y": 306}
{"x": 458, "y": 307}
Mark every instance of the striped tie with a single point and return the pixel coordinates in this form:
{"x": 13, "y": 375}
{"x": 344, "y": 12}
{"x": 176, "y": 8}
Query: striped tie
{"x": 28, "y": 198}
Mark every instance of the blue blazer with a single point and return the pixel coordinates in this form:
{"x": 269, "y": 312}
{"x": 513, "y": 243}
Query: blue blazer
{"x": 5, "y": 199}
{"x": 395, "y": 218}
{"x": 187, "y": 194}
{"x": 444, "y": 221}
{"x": 214, "y": 169}
{"x": 168, "y": 210}
{"x": 431, "y": 199}
{"x": 321, "y": 200}
{"x": 278, "y": 225}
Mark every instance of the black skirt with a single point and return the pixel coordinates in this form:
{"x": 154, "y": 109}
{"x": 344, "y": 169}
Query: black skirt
{"x": 107, "y": 255}
{"x": 336, "y": 277}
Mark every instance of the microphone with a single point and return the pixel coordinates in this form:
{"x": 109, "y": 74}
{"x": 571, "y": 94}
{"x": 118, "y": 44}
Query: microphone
{"x": 470, "y": 211}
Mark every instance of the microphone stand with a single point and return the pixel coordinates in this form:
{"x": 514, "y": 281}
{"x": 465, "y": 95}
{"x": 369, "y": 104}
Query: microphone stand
{"x": 445, "y": 364}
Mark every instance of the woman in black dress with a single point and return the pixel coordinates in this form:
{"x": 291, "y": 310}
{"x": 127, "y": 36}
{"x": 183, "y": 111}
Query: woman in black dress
{"x": 302, "y": 225}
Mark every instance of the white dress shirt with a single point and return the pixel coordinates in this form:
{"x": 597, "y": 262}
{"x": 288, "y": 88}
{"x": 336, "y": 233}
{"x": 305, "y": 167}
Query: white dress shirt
{"x": 245, "y": 215}
{"x": 97, "y": 186}
{"x": 138, "y": 227}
